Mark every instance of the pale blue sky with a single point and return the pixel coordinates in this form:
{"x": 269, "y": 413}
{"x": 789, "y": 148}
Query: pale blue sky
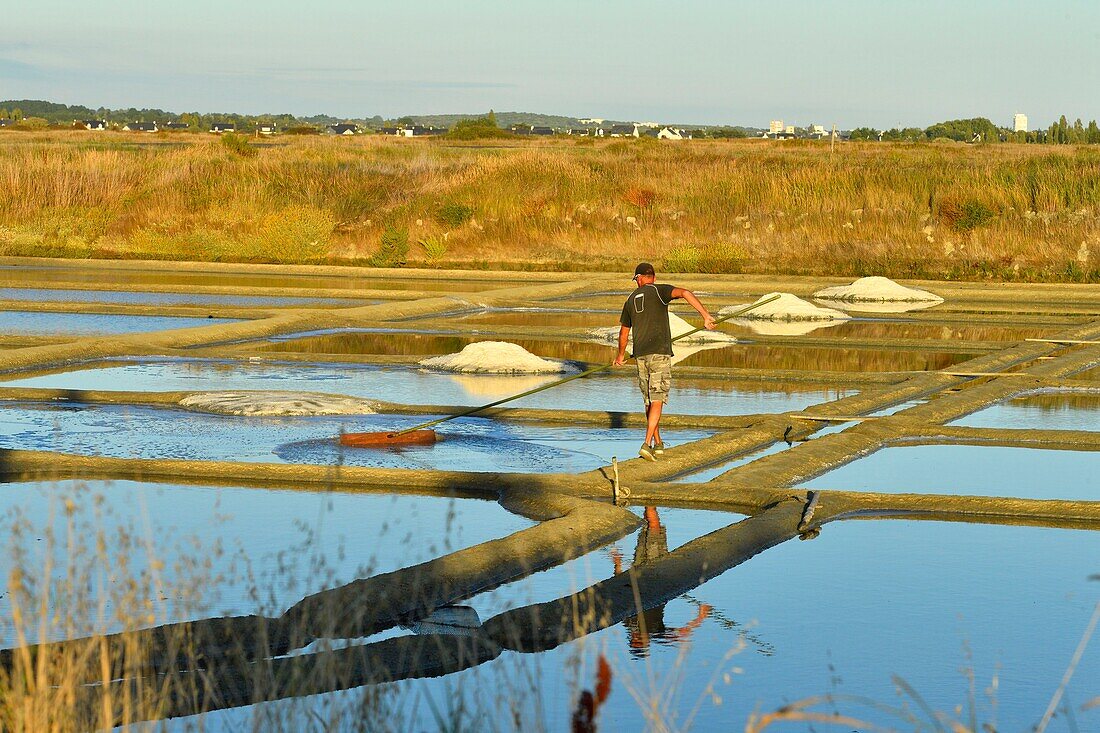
{"x": 879, "y": 63}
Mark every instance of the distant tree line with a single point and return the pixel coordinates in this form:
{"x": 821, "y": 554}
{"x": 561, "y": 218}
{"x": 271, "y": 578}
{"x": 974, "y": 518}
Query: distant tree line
{"x": 53, "y": 113}
{"x": 980, "y": 129}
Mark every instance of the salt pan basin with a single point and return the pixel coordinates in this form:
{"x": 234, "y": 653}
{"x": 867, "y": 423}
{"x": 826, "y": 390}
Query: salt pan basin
{"x": 278, "y": 535}
{"x": 28, "y": 323}
{"x": 464, "y": 445}
{"x": 409, "y": 385}
{"x": 143, "y": 297}
{"x": 1026, "y": 473}
{"x": 1054, "y": 410}
{"x": 971, "y": 587}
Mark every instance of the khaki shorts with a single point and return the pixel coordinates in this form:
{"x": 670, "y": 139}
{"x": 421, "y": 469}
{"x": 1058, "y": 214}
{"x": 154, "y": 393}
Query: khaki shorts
{"x": 655, "y": 377}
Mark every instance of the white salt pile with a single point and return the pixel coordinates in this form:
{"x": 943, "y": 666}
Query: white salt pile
{"x": 787, "y": 307}
{"x": 677, "y": 326}
{"x": 275, "y": 403}
{"x": 496, "y": 357}
{"x": 876, "y": 288}
{"x": 783, "y": 328}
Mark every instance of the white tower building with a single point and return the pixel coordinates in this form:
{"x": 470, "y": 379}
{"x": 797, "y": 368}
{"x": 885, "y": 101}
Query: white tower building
{"x": 1019, "y": 122}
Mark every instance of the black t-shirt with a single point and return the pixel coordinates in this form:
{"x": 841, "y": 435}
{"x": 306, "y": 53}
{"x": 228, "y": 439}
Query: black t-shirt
{"x": 646, "y": 313}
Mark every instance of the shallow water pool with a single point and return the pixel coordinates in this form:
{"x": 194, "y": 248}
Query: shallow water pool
{"x": 290, "y": 542}
{"x": 469, "y": 444}
{"x": 410, "y": 385}
{"x": 86, "y": 324}
{"x": 968, "y": 469}
{"x": 838, "y": 615}
{"x": 1048, "y": 411}
{"x": 408, "y": 340}
{"x": 138, "y": 297}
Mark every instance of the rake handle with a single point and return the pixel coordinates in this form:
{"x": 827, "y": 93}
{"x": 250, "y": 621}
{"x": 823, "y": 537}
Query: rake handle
{"x": 570, "y": 378}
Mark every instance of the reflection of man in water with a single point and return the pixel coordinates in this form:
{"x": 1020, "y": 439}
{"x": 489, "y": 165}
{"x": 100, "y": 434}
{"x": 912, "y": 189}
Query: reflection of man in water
{"x": 649, "y": 625}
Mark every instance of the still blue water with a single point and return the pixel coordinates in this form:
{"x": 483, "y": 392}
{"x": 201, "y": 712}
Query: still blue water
{"x": 469, "y": 444}
{"x": 1052, "y": 411}
{"x": 28, "y": 323}
{"x": 138, "y": 297}
{"x": 967, "y": 469}
{"x": 840, "y": 614}
{"x": 410, "y": 385}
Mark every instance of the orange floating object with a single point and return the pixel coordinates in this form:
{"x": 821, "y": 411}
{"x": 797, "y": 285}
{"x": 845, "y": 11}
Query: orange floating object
{"x": 381, "y": 440}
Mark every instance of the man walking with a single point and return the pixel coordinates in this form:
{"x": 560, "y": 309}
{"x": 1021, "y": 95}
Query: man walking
{"x": 646, "y": 312}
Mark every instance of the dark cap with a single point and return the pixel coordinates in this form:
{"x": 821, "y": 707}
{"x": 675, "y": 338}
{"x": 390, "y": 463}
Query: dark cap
{"x": 644, "y": 269}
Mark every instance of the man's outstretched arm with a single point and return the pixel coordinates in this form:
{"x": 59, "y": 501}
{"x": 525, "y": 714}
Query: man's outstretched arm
{"x": 624, "y": 336}
{"x": 708, "y": 319}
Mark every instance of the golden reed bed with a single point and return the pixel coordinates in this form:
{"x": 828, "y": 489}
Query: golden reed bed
{"x": 933, "y": 210}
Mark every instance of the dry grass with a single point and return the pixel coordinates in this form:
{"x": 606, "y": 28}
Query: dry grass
{"x": 903, "y": 210}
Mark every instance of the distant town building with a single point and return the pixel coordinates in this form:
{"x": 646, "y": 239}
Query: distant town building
{"x": 775, "y": 127}
{"x": 672, "y": 133}
{"x": 175, "y": 126}
{"x": 591, "y": 121}
{"x": 1019, "y": 122}
{"x": 623, "y": 131}
{"x": 789, "y": 130}
{"x": 818, "y": 130}
{"x": 140, "y": 126}
{"x": 541, "y": 130}
{"x": 267, "y": 129}
{"x": 220, "y": 127}
{"x": 94, "y": 124}
{"x": 346, "y": 128}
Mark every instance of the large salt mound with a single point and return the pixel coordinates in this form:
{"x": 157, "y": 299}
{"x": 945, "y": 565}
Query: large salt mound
{"x": 787, "y": 308}
{"x": 678, "y": 326}
{"x": 275, "y": 403}
{"x": 877, "y": 289}
{"x": 496, "y": 357}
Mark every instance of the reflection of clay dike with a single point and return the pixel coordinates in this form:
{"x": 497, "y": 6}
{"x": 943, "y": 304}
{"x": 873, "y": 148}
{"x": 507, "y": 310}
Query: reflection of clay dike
{"x": 389, "y": 344}
{"x": 492, "y": 386}
{"x": 841, "y": 360}
{"x": 947, "y": 332}
{"x": 1059, "y": 401}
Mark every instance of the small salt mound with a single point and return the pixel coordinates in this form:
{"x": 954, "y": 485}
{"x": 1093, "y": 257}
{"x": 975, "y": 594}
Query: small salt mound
{"x": 783, "y": 328}
{"x": 496, "y": 357}
{"x": 884, "y": 306}
{"x": 275, "y": 404}
{"x": 877, "y": 288}
{"x": 787, "y": 308}
{"x": 677, "y": 326}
